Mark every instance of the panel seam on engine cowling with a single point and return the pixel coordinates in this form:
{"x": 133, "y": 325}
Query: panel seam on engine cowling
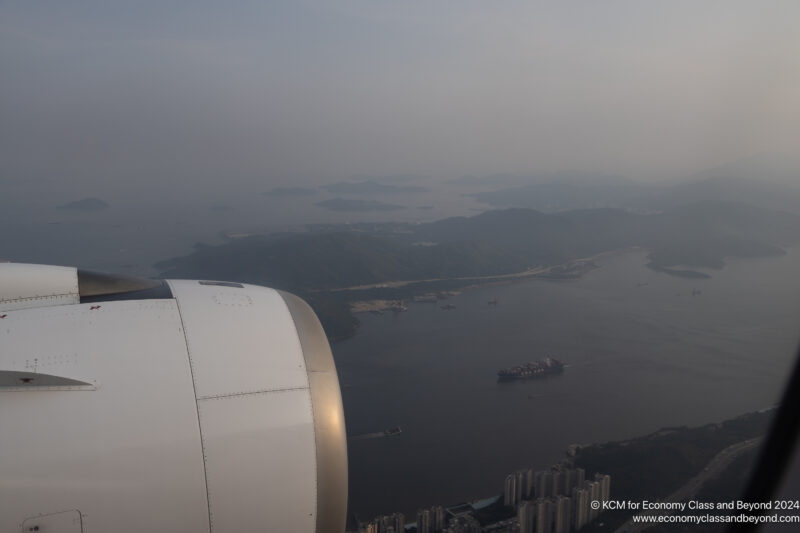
{"x": 38, "y": 297}
{"x": 248, "y": 393}
{"x": 197, "y": 410}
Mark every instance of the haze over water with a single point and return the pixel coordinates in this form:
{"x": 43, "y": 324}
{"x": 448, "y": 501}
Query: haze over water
{"x": 642, "y": 354}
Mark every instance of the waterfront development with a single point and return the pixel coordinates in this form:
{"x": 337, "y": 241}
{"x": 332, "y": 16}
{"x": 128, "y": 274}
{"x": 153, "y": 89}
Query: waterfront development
{"x": 557, "y": 500}
{"x": 655, "y": 474}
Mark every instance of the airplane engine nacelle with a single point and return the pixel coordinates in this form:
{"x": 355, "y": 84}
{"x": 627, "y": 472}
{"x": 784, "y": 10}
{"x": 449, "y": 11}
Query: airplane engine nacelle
{"x": 178, "y": 406}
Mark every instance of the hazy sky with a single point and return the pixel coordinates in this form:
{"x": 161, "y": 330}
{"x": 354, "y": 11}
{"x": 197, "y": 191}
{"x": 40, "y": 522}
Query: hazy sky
{"x": 205, "y": 93}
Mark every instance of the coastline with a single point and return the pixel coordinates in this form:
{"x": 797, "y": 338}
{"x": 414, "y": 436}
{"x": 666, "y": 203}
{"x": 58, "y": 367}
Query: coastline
{"x": 700, "y": 464}
{"x": 567, "y": 271}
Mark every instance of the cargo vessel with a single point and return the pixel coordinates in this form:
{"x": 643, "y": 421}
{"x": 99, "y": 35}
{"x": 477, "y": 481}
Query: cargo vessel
{"x": 537, "y": 369}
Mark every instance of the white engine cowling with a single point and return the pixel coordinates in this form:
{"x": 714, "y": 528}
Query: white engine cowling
{"x": 184, "y": 406}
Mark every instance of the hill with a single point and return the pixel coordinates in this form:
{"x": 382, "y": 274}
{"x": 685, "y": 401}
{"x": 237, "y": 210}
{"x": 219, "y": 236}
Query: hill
{"x": 316, "y": 264}
{"x": 559, "y": 193}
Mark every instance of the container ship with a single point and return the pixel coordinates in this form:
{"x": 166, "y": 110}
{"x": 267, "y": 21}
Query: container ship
{"x": 537, "y": 369}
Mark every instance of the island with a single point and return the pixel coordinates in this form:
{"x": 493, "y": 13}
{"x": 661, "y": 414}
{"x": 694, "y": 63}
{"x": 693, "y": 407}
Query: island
{"x": 360, "y": 206}
{"x": 372, "y": 187}
{"x": 84, "y": 204}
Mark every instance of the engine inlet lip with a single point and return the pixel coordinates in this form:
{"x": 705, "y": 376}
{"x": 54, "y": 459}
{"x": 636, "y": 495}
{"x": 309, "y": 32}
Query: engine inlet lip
{"x": 328, "y": 412}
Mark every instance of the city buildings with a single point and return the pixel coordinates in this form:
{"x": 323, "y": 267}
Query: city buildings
{"x": 463, "y": 524}
{"x": 561, "y": 499}
{"x": 394, "y": 523}
{"x": 556, "y": 500}
{"x": 431, "y": 520}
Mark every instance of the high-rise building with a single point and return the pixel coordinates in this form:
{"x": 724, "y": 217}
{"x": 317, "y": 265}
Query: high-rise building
{"x": 563, "y": 515}
{"x": 593, "y": 488}
{"x": 544, "y": 515}
{"x": 437, "y": 518}
{"x": 526, "y": 515}
{"x": 515, "y": 488}
{"x": 510, "y": 490}
{"x": 529, "y": 478}
{"x": 398, "y": 521}
{"x": 520, "y": 481}
{"x": 605, "y": 486}
{"x": 393, "y": 523}
{"x": 569, "y": 481}
{"x": 580, "y": 503}
{"x": 544, "y": 484}
{"x": 559, "y": 482}
{"x": 424, "y": 521}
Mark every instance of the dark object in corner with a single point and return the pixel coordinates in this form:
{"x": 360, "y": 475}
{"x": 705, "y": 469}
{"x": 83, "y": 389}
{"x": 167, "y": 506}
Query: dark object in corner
{"x": 777, "y": 452}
